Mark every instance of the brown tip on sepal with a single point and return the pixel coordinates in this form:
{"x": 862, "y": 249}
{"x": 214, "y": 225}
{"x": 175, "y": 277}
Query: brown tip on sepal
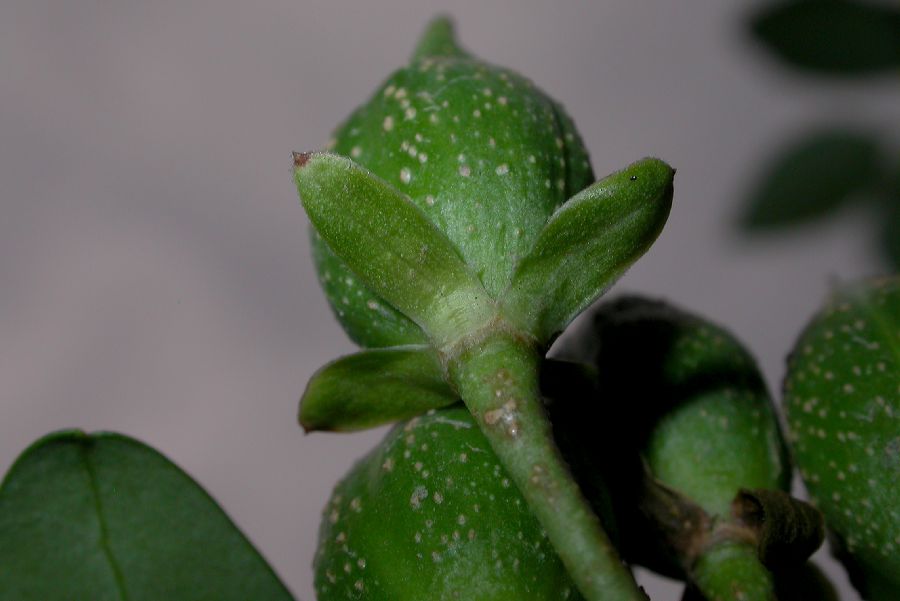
{"x": 301, "y": 158}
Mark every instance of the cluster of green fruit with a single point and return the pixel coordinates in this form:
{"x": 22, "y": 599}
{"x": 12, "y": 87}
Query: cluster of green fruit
{"x": 458, "y": 230}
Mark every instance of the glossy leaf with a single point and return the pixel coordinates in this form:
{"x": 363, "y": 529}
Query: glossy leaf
{"x": 813, "y": 177}
{"x": 833, "y": 37}
{"x": 104, "y": 517}
{"x": 374, "y": 387}
{"x": 588, "y": 244}
{"x": 391, "y": 245}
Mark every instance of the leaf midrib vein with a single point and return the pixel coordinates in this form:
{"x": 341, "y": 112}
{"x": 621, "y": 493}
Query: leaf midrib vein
{"x": 118, "y": 577}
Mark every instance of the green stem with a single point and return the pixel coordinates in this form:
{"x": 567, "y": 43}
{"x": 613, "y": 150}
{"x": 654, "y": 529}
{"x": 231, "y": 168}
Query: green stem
{"x": 732, "y": 571}
{"x": 498, "y": 380}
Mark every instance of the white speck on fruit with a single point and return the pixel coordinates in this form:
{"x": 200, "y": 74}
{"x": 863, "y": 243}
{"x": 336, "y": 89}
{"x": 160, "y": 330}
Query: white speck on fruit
{"x": 419, "y": 494}
{"x": 502, "y": 169}
{"x": 388, "y": 123}
{"x": 405, "y": 175}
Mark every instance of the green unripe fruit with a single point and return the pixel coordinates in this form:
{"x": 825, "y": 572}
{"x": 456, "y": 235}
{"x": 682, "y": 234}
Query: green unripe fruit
{"x": 485, "y": 154}
{"x": 431, "y": 514}
{"x": 693, "y": 428}
{"x": 690, "y": 398}
{"x": 453, "y": 209}
{"x": 842, "y": 399}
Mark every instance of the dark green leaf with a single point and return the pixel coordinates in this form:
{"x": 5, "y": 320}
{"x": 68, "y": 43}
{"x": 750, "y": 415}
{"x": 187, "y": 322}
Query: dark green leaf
{"x": 587, "y": 244}
{"x": 833, "y": 37}
{"x": 391, "y": 245}
{"x": 374, "y": 387}
{"x": 812, "y": 177}
{"x": 104, "y": 517}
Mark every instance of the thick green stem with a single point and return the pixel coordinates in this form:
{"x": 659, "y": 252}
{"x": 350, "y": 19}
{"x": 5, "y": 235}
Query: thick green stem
{"x": 498, "y": 380}
{"x": 732, "y": 571}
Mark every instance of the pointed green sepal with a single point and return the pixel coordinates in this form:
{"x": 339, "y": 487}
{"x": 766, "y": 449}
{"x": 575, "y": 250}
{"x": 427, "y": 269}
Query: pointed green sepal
{"x": 438, "y": 40}
{"x": 392, "y": 246}
{"x": 374, "y": 387}
{"x": 103, "y": 516}
{"x": 587, "y": 244}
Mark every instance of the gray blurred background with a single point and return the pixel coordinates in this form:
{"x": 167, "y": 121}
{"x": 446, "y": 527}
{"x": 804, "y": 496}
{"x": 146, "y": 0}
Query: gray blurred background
{"x": 154, "y": 271}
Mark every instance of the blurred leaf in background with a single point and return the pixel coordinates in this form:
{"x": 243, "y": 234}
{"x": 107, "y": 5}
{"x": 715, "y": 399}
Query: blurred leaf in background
{"x": 833, "y": 37}
{"x": 825, "y": 170}
{"x": 813, "y": 177}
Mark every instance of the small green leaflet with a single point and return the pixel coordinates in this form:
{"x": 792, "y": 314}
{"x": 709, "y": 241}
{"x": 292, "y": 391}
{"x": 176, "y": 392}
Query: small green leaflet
{"x": 103, "y": 517}
{"x": 391, "y": 245}
{"x": 374, "y": 387}
{"x": 587, "y": 244}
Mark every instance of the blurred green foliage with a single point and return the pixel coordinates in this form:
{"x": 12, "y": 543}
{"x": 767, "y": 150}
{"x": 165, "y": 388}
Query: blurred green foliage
{"x": 827, "y": 169}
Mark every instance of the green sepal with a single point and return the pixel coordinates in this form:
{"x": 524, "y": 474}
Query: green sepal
{"x": 391, "y": 246}
{"x": 587, "y": 244}
{"x": 374, "y": 387}
{"x": 104, "y": 517}
{"x": 439, "y": 40}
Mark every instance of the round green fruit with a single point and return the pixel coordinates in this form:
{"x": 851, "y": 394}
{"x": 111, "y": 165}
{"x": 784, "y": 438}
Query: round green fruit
{"x": 691, "y": 430}
{"x": 686, "y": 397}
{"x": 431, "y": 514}
{"x": 842, "y": 399}
{"x": 483, "y": 152}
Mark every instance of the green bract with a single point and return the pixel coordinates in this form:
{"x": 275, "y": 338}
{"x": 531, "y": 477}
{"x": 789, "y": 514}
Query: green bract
{"x": 431, "y": 514}
{"x": 842, "y": 399}
{"x": 700, "y": 469}
{"x": 458, "y": 219}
